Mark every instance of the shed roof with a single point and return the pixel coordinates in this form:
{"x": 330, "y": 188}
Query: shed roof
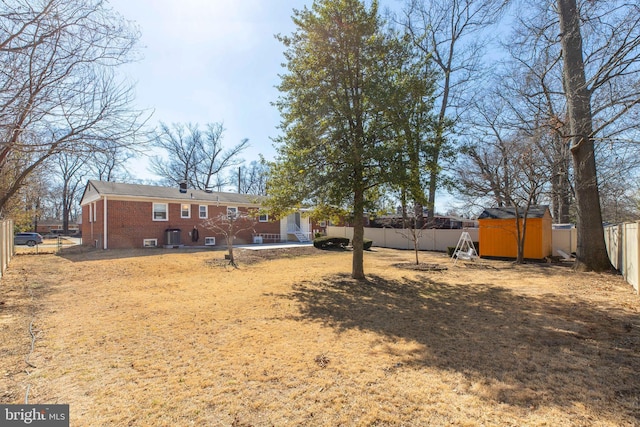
{"x": 536, "y": 211}
{"x": 106, "y": 188}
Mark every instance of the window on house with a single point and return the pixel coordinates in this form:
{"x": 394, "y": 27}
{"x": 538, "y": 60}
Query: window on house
{"x": 323, "y": 223}
{"x": 185, "y": 210}
{"x": 150, "y": 243}
{"x": 95, "y": 215}
{"x": 203, "y": 212}
{"x": 232, "y": 212}
{"x": 209, "y": 241}
{"x": 263, "y": 218}
{"x": 160, "y": 212}
{"x": 90, "y": 212}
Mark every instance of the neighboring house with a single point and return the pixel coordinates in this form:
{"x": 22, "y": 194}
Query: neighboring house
{"x": 439, "y": 222}
{"x": 48, "y": 226}
{"x": 116, "y": 215}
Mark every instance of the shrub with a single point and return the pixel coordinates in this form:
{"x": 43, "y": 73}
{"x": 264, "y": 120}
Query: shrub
{"x": 326, "y": 242}
{"x": 367, "y": 244}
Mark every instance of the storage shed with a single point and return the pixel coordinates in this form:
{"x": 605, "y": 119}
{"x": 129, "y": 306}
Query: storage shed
{"x": 497, "y": 233}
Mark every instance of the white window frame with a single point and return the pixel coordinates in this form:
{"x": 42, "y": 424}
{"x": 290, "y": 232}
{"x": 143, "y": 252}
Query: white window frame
{"x": 182, "y": 211}
{"x": 209, "y": 241}
{"x": 166, "y": 212}
{"x": 206, "y": 212}
{"x": 263, "y": 218}
{"x": 95, "y": 214}
{"x": 90, "y": 212}
{"x": 233, "y": 209}
{"x": 150, "y": 243}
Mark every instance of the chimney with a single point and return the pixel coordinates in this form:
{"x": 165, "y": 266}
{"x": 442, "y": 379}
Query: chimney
{"x": 183, "y": 186}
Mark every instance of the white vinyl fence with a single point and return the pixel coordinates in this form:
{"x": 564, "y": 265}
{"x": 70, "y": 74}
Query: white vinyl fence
{"x": 6, "y": 244}
{"x": 438, "y": 240}
{"x": 623, "y": 241}
{"x": 429, "y": 240}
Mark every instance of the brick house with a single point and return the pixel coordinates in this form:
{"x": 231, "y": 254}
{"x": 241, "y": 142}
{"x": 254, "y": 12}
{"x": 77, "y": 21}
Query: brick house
{"x": 49, "y": 226}
{"x": 116, "y": 215}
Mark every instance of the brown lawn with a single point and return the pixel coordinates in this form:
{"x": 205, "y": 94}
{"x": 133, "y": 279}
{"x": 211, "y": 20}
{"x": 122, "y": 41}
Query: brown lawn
{"x": 174, "y": 338}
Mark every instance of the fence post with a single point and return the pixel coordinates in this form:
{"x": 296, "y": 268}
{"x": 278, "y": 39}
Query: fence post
{"x": 6, "y": 244}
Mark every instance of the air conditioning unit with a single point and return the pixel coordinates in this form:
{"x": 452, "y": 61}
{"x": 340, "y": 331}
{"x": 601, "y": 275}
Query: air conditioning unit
{"x": 257, "y": 239}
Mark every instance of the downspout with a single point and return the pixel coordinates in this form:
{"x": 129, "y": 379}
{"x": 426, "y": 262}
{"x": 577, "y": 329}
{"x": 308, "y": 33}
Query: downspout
{"x": 105, "y": 223}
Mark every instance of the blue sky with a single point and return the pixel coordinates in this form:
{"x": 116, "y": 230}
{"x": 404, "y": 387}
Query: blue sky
{"x": 212, "y": 61}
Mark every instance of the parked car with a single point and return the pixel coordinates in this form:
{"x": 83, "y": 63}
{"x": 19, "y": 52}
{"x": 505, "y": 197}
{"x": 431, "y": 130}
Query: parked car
{"x": 52, "y": 234}
{"x": 29, "y": 239}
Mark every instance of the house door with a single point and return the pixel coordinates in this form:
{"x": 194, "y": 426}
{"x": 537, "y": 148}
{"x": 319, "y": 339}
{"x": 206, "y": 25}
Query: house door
{"x": 293, "y": 222}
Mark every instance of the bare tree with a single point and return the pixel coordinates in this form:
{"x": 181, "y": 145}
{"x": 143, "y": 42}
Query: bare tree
{"x": 230, "y": 225}
{"x": 31, "y": 201}
{"x": 108, "y": 162}
{"x": 482, "y": 175}
{"x": 193, "y": 156}
{"x": 58, "y": 90}
{"x": 451, "y": 32}
{"x": 591, "y": 251}
{"x": 70, "y": 169}
{"x": 252, "y": 179}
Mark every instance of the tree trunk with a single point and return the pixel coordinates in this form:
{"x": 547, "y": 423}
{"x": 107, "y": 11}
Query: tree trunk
{"x": 591, "y": 251}
{"x": 560, "y": 186}
{"x": 357, "y": 271}
{"x": 416, "y": 247}
{"x": 431, "y": 198}
{"x": 521, "y": 226}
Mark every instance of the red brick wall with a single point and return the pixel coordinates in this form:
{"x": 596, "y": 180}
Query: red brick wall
{"x": 130, "y": 222}
{"x": 92, "y": 230}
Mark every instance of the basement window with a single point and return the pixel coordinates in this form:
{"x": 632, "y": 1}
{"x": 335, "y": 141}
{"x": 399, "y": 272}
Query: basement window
{"x": 150, "y": 243}
{"x": 209, "y": 241}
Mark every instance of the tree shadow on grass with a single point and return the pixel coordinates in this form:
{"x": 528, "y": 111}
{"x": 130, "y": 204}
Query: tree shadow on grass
{"x": 528, "y": 351}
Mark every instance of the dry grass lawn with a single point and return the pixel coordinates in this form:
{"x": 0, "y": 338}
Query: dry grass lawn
{"x": 175, "y": 338}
